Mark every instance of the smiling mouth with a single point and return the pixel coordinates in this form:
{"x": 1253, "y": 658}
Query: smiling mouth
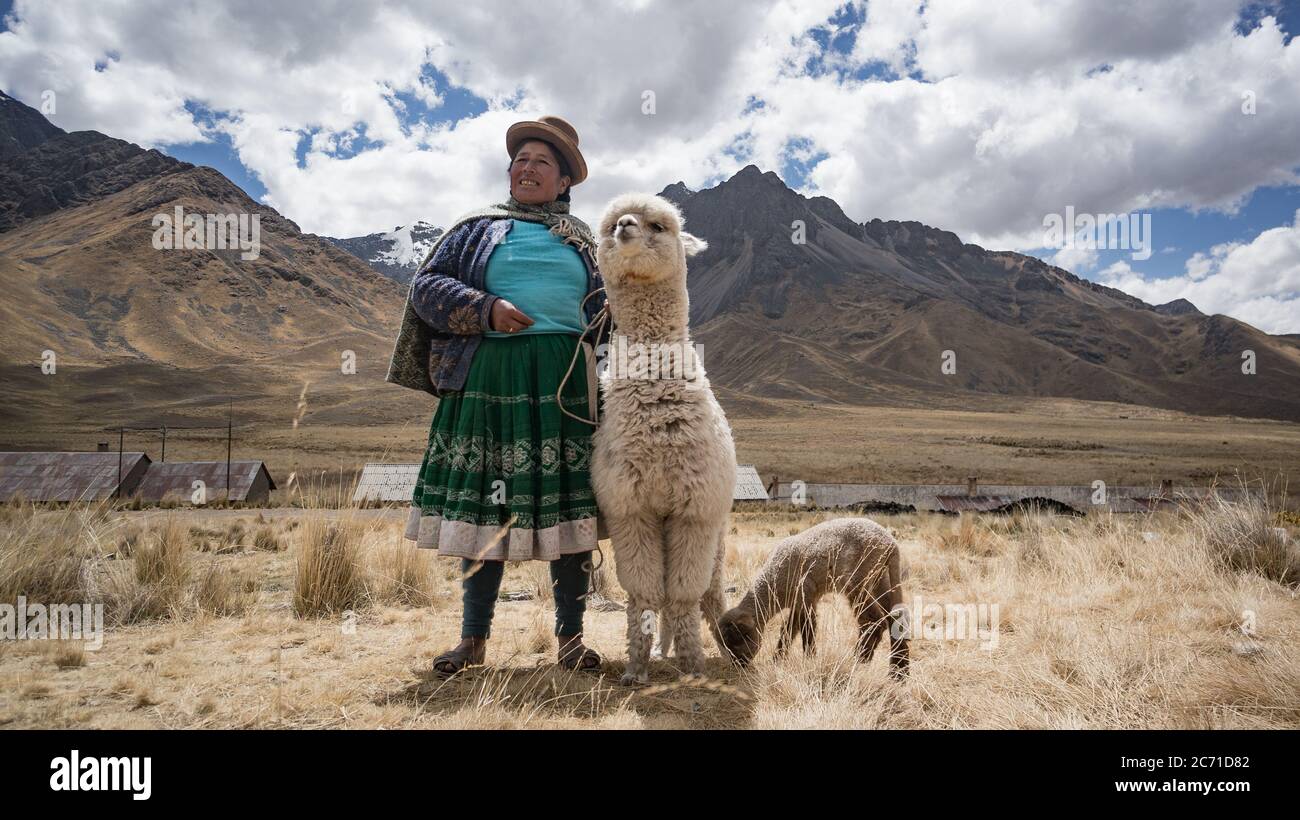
{"x": 529, "y": 183}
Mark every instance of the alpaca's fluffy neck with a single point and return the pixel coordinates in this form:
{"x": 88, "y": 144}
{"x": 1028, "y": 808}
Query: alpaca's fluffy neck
{"x": 650, "y": 312}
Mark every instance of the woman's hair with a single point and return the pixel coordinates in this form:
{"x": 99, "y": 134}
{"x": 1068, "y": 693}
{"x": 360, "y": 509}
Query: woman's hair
{"x": 564, "y": 166}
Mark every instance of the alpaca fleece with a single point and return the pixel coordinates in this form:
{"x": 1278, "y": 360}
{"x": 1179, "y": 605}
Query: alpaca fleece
{"x": 853, "y": 556}
{"x": 664, "y": 465}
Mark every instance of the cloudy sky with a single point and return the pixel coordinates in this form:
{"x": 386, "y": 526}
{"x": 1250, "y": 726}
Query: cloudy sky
{"x": 980, "y": 118}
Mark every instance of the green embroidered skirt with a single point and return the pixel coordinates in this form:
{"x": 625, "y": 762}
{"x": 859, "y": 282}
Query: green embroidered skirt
{"x": 506, "y": 475}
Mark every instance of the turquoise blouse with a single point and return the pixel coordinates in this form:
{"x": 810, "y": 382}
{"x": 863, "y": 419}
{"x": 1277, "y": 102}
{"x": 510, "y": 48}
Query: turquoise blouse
{"x": 541, "y": 275}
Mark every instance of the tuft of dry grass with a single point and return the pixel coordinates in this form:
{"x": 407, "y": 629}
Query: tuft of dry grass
{"x": 68, "y": 654}
{"x": 35, "y": 691}
{"x": 399, "y": 574}
{"x": 159, "y": 645}
{"x": 43, "y": 555}
{"x": 154, "y": 585}
{"x": 266, "y": 538}
{"x": 829, "y": 689}
{"x": 967, "y": 537}
{"x": 225, "y": 592}
{"x": 128, "y": 541}
{"x": 330, "y": 576}
{"x": 1243, "y": 537}
{"x": 537, "y": 634}
{"x": 160, "y": 559}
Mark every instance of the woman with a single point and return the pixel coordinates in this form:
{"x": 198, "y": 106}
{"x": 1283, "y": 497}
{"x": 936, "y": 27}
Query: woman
{"x": 496, "y": 317}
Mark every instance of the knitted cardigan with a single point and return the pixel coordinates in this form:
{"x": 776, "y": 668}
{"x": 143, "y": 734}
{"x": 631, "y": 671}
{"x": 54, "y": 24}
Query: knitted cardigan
{"x": 447, "y": 309}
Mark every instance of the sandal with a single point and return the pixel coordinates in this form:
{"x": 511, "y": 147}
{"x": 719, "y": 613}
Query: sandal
{"x": 577, "y": 657}
{"x": 469, "y": 652}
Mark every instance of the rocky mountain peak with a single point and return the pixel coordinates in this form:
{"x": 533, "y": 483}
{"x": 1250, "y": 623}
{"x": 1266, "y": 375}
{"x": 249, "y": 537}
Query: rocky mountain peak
{"x": 70, "y": 169}
{"x": 912, "y": 237}
{"x": 677, "y": 193}
{"x": 753, "y": 175}
{"x": 22, "y": 127}
{"x": 1178, "y": 307}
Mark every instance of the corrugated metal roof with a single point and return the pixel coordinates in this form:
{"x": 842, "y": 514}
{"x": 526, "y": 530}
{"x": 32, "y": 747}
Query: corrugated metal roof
{"x": 175, "y": 479}
{"x": 972, "y": 503}
{"x": 387, "y": 482}
{"x": 48, "y": 476}
{"x": 396, "y": 482}
{"x": 749, "y": 487}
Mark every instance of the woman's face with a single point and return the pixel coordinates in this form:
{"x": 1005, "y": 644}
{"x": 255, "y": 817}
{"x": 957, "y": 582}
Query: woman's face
{"x": 535, "y": 176}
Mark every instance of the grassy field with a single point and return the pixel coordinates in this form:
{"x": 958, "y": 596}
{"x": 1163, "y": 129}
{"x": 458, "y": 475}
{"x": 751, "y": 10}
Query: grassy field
{"x": 327, "y": 618}
{"x": 1032, "y": 441}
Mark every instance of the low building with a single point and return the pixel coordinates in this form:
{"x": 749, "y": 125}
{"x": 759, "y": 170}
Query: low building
{"x": 386, "y": 482}
{"x": 250, "y": 481}
{"x": 749, "y": 487}
{"x": 49, "y": 476}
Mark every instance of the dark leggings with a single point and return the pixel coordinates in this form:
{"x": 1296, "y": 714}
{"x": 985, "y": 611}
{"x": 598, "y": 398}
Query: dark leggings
{"x": 569, "y": 578}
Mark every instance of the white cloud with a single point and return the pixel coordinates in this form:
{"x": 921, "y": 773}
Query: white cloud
{"x": 1116, "y": 272}
{"x": 1016, "y": 39}
{"x": 1075, "y": 259}
{"x": 1257, "y": 281}
{"x": 1012, "y": 126}
{"x": 1010, "y": 122}
{"x": 887, "y": 33}
{"x": 286, "y": 70}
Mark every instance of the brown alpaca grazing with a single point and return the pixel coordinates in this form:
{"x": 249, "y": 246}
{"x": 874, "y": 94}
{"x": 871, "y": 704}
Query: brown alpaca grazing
{"x": 853, "y": 556}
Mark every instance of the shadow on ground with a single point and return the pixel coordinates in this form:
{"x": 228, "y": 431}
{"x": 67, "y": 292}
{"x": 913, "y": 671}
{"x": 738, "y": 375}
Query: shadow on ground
{"x": 714, "y": 700}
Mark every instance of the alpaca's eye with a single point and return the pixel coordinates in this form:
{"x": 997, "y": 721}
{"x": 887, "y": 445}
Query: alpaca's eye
{"x": 656, "y": 226}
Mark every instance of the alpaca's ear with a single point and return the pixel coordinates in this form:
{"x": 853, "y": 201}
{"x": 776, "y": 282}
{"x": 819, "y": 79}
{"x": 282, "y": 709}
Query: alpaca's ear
{"x": 692, "y": 244}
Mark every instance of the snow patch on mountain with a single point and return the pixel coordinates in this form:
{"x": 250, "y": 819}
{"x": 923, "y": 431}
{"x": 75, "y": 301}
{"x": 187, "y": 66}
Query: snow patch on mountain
{"x": 396, "y": 253}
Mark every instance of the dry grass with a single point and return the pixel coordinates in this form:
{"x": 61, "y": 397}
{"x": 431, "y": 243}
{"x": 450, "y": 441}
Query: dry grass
{"x": 139, "y": 571}
{"x": 1181, "y": 620}
{"x": 267, "y": 539}
{"x": 399, "y": 575}
{"x": 330, "y": 577}
{"x": 814, "y": 441}
{"x": 153, "y": 585}
{"x": 222, "y": 540}
{"x": 965, "y": 536}
{"x": 67, "y": 654}
{"x": 42, "y": 555}
{"x": 161, "y": 558}
{"x": 1246, "y": 537}
{"x": 225, "y": 592}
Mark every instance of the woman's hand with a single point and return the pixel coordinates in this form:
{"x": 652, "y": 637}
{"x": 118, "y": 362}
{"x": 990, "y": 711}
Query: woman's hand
{"x": 508, "y": 318}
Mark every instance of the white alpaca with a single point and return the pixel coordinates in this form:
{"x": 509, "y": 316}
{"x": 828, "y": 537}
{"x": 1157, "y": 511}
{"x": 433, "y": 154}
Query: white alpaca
{"x": 664, "y": 465}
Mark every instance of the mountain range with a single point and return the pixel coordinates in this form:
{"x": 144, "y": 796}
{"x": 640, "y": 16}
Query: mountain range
{"x": 856, "y": 312}
{"x": 395, "y": 254}
{"x": 862, "y": 312}
{"x": 136, "y": 331}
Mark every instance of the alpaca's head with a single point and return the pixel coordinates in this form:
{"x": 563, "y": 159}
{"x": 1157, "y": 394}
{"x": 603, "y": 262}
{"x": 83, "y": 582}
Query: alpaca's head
{"x": 642, "y": 241}
{"x": 740, "y": 635}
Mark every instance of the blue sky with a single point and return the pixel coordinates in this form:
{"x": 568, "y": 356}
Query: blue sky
{"x": 973, "y": 118}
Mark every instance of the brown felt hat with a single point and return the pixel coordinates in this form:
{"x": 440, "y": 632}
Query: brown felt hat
{"x": 558, "y": 133}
